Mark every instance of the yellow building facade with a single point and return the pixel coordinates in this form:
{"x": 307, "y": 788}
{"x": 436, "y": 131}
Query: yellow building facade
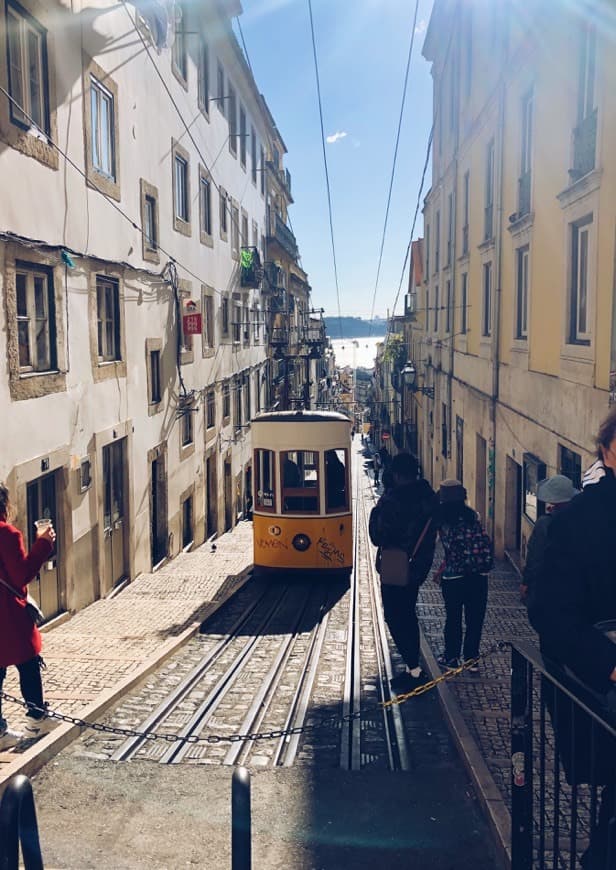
{"x": 517, "y": 325}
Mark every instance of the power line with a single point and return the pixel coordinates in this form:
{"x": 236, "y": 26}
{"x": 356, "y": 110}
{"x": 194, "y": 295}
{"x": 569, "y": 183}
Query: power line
{"x": 329, "y": 199}
{"x": 393, "y": 168}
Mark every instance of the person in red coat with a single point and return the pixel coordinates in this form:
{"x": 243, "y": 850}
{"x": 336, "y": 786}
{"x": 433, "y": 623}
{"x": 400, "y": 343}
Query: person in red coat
{"x": 20, "y": 639}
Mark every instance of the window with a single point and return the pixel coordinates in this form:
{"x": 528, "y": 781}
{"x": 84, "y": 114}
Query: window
{"x": 247, "y": 404}
{"x": 265, "y": 484}
{"x": 155, "y": 390}
{"x": 533, "y": 470}
{"x": 205, "y": 205}
{"x": 300, "y": 481}
{"x": 237, "y": 323}
{"x": 244, "y": 238}
{"x": 448, "y": 307}
{"x": 35, "y": 318}
{"x": 579, "y": 330}
{"x": 570, "y": 464}
{"x": 187, "y": 522}
{"x": 224, "y": 315}
{"x": 208, "y": 321}
{"x": 258, "y": 378}
{"x": 108, "y": 317}
{"x": 235, "y": 231}
{"x": 204, "y": 78}
{"x": 436, "y": 295}
{"x": 102, "y": 126}
{"x": 232, "y": 118}
{"x": 223, "y": 212}
{"x": 486, "y": 329}
{"x": 27, "y": 68}
{"x": 444, "y": 430}
{"x": 226, "y": 401}
{"x": 463, "y": 305}
{"x": 85, "y": 475}
{"x": 427, "y": 273}
{"x": 180, "y": 178}
{"x": 253, "y": 155}
{"x": 178, "y": 53}
{"x": 449, "y": 227}
{"x": 245, "y": 325}
{"x": 262, "y": 158}
{"x": 210, "y": 409}
{"x": 243, "y": 137}
{"x": 149, "y": 221}
{"x": 521, "y": 282}
{"x": 526, "y": 155}
{"x": 186, "y": 427}
{"x": 237, "y": 403}
{"x": 466, "y": 212}
{"x": 488, "y": 231}
{"x": 220, "y": 88}
{"x": 437, "y": 243}
{"x": 336, "y": 487}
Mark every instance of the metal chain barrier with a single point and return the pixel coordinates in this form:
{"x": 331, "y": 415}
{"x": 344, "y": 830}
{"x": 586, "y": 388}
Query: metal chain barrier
{"x": 328, "y": 722}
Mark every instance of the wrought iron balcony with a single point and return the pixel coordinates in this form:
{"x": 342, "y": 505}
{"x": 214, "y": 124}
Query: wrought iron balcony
{"x": 279, "y": 336}
{"x": 584, "y": 146}
{"x": 251, "y": 271}
{"x": 283, "y": 236}
{"x": 524, "y": 194}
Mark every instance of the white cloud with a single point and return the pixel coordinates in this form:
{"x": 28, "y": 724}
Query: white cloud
{"x": 335, "y": 136}
{"x": 421, "y": 27}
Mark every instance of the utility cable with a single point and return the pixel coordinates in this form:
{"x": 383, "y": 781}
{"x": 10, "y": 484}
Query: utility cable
{"x": 393, "y": 168}
{"x": 329, "y": 199}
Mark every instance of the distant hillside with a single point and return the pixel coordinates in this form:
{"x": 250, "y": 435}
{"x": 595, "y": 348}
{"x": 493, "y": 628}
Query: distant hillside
{"x": 354, "y": 327}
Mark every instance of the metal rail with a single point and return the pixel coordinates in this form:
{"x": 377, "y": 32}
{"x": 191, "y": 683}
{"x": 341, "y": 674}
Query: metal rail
{"x": 18, "y": 825}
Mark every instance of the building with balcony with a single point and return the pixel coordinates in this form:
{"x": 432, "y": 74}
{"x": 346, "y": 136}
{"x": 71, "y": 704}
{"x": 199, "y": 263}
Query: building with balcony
{"x": 518, "y": 286}
{"x": 131, "y": 268}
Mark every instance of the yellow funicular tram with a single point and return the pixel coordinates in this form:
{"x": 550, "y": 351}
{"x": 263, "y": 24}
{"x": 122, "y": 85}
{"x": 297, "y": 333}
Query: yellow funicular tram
{"x": 302, "y": 492}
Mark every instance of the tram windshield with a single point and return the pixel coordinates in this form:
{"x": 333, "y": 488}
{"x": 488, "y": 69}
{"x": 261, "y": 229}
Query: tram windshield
{"x": 300, "y": 481}
{"x": 335, "y": 480}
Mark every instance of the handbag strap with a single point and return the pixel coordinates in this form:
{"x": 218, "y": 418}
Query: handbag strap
{"x": 14, "y": 591}
{"x": 420, "y": 538}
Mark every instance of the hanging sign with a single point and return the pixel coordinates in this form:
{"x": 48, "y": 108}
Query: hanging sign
{"x": 191, "y": 321}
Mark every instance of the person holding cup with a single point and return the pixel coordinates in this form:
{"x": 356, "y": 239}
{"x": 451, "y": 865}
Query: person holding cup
{"x": 20, "y": 639}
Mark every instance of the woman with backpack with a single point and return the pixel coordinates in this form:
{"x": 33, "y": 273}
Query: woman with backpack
{"x": 463, "y": 573}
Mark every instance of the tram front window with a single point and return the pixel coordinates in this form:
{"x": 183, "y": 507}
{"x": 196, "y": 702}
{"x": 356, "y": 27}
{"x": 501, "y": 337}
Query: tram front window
{"x": 264, "y": 484}
{"x": 300, "y": 481}
{"x": 335, "y": 480}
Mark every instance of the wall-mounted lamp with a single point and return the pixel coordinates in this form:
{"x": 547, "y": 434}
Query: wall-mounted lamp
{"x": 409, "y": 378}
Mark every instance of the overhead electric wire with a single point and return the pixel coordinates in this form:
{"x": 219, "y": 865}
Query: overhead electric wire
{"x": 329, "y": 198}
{"x": 393, "y": 168}
{"x": 239, "y": 26}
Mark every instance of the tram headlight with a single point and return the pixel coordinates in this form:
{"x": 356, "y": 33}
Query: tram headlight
{"x": 301, "y": 542}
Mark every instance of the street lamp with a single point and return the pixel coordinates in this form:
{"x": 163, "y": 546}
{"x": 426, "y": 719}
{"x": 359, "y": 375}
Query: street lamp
{"x": 409, "y": 378}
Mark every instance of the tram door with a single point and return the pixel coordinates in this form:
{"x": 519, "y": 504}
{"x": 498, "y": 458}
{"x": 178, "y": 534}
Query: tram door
{"x": 159, "y": 511}
{"x": 115, "y": 527}
{"x": 42, "y": 502}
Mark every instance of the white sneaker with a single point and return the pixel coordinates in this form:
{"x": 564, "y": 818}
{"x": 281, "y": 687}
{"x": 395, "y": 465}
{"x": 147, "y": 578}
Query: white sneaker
{"x": 39, "y": 727}
{"x": 9, "y": 738}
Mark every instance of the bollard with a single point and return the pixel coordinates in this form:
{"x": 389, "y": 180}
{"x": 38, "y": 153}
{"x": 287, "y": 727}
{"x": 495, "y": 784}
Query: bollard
{"x": 18, "y": 825}
{"x": 240, "y": 820}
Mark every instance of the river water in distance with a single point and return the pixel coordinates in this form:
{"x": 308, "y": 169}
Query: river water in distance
{"x": 358, "y": 353}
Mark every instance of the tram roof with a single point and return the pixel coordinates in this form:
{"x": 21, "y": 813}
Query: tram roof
{"x": 301, "y": 417}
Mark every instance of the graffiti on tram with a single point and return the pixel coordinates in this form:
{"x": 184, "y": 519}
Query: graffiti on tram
{"x": 330, "y": 552}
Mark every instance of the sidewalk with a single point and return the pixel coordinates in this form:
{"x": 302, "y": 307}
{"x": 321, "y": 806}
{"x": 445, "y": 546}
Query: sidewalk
{"x": 95, "y": 656}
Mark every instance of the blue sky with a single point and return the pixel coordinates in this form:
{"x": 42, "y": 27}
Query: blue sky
{"x": 362, "y": 48}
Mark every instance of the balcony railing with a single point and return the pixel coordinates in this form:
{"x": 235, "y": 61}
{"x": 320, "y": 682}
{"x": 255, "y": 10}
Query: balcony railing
{"x": 251, "y": 271}
{"x": 279, "y": 336}
{"x": 284, "y": 237}
{"x": 584, "y": 146}
{"x": 524, "y": 194}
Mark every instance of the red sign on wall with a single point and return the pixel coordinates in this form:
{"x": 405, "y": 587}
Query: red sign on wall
{"x": 191, "y": 322}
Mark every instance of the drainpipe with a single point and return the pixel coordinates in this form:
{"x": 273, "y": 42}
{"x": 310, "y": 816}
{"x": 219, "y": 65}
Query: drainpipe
{"x": 499, "y": 150}
{"x": 452, "y": 295}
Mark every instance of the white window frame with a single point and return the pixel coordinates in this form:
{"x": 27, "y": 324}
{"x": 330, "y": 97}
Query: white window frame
{"x": 181, "y": 206}
{"x": 102, "y": 97}
{"x": 32, "y": 93}
{"x": 205, "y": 203}
{"x": 36, "y": 321}
{"x": 486, "y": 292}
{"x": 109, "y": 341}
{"x": 580, "y": 271}
{"x": 522, "y": 261}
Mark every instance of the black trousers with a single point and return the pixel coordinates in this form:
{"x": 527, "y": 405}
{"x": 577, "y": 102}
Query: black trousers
{"x": 401, "y": 617}
{"x": 468, "y": 595}
{"x": 31, "y": 686}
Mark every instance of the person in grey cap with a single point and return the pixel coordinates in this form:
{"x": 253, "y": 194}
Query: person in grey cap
{"x": 556, "y": 492}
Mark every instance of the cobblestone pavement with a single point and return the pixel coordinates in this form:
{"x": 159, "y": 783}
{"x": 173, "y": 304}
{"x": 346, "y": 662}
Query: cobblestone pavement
{"x": 115, "y": 637}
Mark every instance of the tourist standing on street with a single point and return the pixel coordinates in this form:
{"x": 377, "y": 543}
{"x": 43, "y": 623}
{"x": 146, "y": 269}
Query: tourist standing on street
{"x": 556, "y": 492}
{"x": 577, "y": 591}
{"x": 463, "y": 574}
{"x": 397, "y": 523}
{"x": 20, "y": 639}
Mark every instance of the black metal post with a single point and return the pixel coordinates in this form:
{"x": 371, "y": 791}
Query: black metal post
{"x": 240, "y": 820}
{"x": 18, "y": 824}
{"x": 521, "y": 763}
